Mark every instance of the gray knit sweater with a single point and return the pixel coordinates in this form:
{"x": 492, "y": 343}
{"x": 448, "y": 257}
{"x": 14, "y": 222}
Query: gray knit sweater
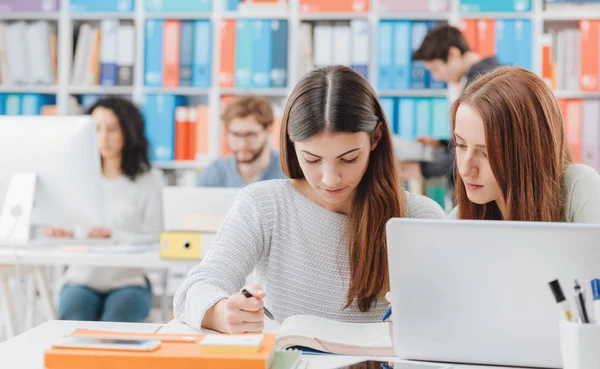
{"x": 297, "y": 248}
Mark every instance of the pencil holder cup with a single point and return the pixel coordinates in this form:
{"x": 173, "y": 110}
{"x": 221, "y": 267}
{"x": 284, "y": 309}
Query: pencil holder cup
{"x": 580, "y": 345}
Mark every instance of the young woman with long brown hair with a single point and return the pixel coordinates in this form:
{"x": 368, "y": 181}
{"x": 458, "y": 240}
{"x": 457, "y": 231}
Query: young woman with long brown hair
{"x": 512, "y": 157}
{"x": 316, "y": 240}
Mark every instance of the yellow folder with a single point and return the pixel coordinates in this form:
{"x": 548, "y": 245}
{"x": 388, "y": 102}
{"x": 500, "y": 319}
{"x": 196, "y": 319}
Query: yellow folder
{"x": 180, "y": 245}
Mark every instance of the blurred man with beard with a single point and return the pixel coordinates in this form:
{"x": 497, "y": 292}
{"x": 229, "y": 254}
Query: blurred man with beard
{"x": 248, "y": 123}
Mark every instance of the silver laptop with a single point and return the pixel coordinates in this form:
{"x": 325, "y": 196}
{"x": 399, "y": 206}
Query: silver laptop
{"x": 477, "y": 292}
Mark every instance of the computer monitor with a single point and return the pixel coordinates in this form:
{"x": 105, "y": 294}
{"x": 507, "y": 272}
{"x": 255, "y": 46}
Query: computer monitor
{"x": 62, "y": 153}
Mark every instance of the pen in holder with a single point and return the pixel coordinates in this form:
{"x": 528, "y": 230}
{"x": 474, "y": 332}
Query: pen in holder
{"x": 580, "y": 345}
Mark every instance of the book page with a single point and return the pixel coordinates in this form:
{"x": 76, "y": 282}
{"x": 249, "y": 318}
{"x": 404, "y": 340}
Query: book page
{"x": 367, "y": 335}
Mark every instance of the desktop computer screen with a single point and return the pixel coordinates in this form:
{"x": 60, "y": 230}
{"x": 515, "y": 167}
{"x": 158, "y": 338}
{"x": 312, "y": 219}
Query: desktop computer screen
{"x": 62, "y": 152}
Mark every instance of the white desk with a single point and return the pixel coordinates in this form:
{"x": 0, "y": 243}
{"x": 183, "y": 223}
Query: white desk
{"x": 26, "y": 351}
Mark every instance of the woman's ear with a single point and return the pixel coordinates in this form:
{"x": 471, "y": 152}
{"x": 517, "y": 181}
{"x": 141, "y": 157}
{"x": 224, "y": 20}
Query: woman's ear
{"x": 377, "y": 136}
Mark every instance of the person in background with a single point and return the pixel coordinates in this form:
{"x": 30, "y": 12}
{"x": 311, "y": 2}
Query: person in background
{"x": 512, "y": 157}
{"x": 248, "y": 124}
{"x": 449, "y": 58}
{"x": 317, "y": 240}
{"x": 132, "y": 213}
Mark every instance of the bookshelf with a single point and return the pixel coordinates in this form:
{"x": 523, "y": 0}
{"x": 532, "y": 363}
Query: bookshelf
{"x": 66, "y": 22}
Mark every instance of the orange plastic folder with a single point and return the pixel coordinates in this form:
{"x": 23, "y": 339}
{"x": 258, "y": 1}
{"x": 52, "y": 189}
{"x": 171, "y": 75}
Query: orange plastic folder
{"x": 170, "y": 355}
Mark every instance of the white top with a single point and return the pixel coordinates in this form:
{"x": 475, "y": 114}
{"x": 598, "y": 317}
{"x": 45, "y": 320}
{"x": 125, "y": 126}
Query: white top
{"x": 133, "y": 210}
{"x": 299, "y": 252}
{"x": 581, "y": 189}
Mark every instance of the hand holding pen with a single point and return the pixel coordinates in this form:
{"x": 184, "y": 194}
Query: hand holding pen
{"x": 244, "y": 312}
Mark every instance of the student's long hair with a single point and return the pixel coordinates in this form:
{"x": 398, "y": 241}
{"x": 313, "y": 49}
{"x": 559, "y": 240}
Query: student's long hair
{"x": 526, "y": 146}
{"x": 135, "y": 159}
{"x": 338, "y": 99}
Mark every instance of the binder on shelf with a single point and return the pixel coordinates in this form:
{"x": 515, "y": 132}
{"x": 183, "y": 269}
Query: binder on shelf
{"x": 505, "y": 41}
{"x": 101, "y": 6}
{"x": 202, "y": 54}
{"x": 16, "y": 56}
{"x": 186, "y": 50}
{"x": 440, "y": 119}
{"x": 495, "y": 6}
{"x": 590, "y": 58}
{"x": 202, "y": 130}
{"x": 468, "y": 28}
{"x": 232, "y": 5}
{"x": 387, "y": 104}
{"x": 279, "y": 62}
{"x": 341, "y": 43}
{"x": 306, "y": 49}
{"x": 263, "y": 54}
{"x": 422, "y": 117}
{"x": 29, "y": 5}
{"x": 178, "y": 5}
{"x": 126, "y": 57}
{"x": 402, "y": 55}
{"x": 159, "y": 113}
{"x": 91, "y": 76}
{"x": 153, "y": 55}
{"x": 486, "y": 35}
{"x": 385, "y": 55}
{"x": 334, "y": 6}
{"x": 171, "y": 46}
{"x": 361, "y": 49}
{"x": 181, "y": 132}
{"x": 523, "y": 37}
{"x": 12, "y": 104}
{"x": 590, "y": 145}
{"x": 38, "y": 52}
{"x": 191, "y": 128}
{"x": 323, "y": 44}
{"x": 419, "y": 73}
{"x": 406, "y": 117}
{"x": 109, "y": 50}
{"x": 244, "y": 53}
{"x": 227, "y": 60}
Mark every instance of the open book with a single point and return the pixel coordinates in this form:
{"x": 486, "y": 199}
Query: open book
{"x": 319, "y": 334}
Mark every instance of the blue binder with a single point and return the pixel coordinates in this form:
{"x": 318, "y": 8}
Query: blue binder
{"x": 422, "y": 117}
{"x": 440, "y": 119}
{"x": 178, "y": 5}
{"x": 418, "y": 76}
{"x": 522, "y": 44}
{"x": 279, "y": 53}
{"x": 153, "y": 56}
{"x": 202, "y": 54}
{"x": 244, "y": 52}
{"x": 263, "y": 54}
{"x": 159, "y": 114}
{"x": 385, "y": 50}
{"x": 31, "y": 104}
{"x": 505, "y": 41}
{"x": 406, "y": 117}
{"x": 495, "y": 5}
{"x": 186, "y": 53}
{"x": 388, "y": 106}
{"x": 101, "y": 5}
{"x": 402, "y": 55}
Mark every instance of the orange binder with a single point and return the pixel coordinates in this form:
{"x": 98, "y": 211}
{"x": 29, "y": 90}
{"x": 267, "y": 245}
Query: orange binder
{"x": 94, "y": 62}
{"x": 469, "y": 30}
{"x": 334, "y": 6}
{"x": 573, "y": 126}
{"x": 486, "y": 37}
{"x": 589, "y": 57}
{"x": 181, "y": 133}
{"x": 191, "y": 136}
{"x": 170, "y": 355}
{"x": 171, "y": 42}
{"x": 227, "y": 63}
{"x": 548, "y": 62}
{"x": 202, "y": 130}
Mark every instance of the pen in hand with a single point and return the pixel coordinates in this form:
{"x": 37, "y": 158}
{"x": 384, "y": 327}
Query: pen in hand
{"x": 267, "y": 312}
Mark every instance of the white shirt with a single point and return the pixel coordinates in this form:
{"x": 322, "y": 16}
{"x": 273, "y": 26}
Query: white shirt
{"x": 133, "y": 211}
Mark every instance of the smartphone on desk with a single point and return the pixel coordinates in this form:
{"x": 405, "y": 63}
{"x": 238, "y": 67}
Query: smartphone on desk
{"x": 100, "y": 343}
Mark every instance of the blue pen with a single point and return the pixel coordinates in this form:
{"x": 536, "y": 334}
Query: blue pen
{"x": 596, "y": 295}
{"x": 387, "y": 314}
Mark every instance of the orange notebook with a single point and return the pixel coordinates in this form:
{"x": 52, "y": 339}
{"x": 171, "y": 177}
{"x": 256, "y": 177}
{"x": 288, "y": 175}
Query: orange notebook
{"x": 227, "y": 63}
{"x": 469, "y": 30}
{"x": 170, "y": 355}
{"x": 181, "y": 133}
{"x": 171, "y": 42}
{"x": 202, "y": 130}
{"x": 486, "y": 37}
{"x": 590, "y": 58}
